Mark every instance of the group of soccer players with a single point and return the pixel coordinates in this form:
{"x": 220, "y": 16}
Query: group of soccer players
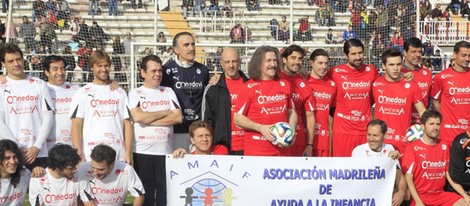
{"x": 101, "y": 123}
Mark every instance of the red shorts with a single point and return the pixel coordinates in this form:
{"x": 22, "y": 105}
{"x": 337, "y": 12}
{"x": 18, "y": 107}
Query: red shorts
{"x": 343, "y": 144}
{"x": 438, "y": 199}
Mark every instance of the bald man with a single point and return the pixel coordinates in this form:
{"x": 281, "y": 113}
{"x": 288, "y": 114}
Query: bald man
{"x": 219, "y": 100}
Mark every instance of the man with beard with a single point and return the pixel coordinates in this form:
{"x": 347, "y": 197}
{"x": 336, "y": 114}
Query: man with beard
{"x": 267, "y": 100}
{"x": 425, "y": 163}
{"x": 394, "y": 98}
{"x": 187, "y": 78}
{"x": 110, "y": 180}
{"x": 220, "y": 100}
{"x": 292, "y": 58}
{"x": 100, "y": 115}
{"x": 353, "y": 102}
{"x": 59, "y": 186}
{"x": 451, "y": 95}
{"x": 324, "y": 94}
{"x": 412, "y": 53}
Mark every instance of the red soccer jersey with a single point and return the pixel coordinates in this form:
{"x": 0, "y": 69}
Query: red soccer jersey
{"x": 353, "y": 99}
{"x": 234, "y": 88}
{"x": 324, "y": 93}
{"x": 428, "y": 164}
{"x": 452, "y": 89}
{"x": 423, "y": 78}
{"x": 265, "y": 102}
{"x": 303, "y": 100}
{"x": 393, "y": 104}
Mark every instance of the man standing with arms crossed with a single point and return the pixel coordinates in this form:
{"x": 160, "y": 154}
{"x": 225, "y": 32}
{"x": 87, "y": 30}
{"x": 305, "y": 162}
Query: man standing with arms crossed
{"x": 187, "y": 78}
{"x": 425, "y": 164}
{"x": 451, "y": 94}
{"x": 154, "y": 110}
{"x": 412, "y": 53}
{"x": 26, "y": 110}
{"x": 324, "y": 93}
{"x": 394, "y": 99}
{"x": 353, "y": 101}
{"x": 99, "y": 115}
{"x": 292, "y": 58}
{"x": 267, "y": 100}
{"x": 220, "y": 99}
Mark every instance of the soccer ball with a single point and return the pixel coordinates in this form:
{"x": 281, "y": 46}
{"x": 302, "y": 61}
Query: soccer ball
{"x": 283, "y": 134}
{"x": 414, "y": 132}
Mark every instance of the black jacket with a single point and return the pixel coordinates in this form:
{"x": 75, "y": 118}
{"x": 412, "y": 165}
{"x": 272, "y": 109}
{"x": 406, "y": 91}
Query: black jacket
{"x": 217, "y": 110}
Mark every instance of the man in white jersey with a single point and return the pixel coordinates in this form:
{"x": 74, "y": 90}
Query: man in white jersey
{"x": 14, "y": 177}
{"x": 61, "y": 93}
{"x": 59, "y": 185}
{"x": 375, "y": 147}
{"x": 154, "y": 110}
{"x": 100, "y": 115}
{"x": 26, "y": 108}
{"x": 111, "y": 180}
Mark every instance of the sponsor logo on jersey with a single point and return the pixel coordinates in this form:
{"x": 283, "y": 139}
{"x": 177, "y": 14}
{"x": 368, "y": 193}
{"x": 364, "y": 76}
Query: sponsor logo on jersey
{"x": 459, "y": 90}
{"x": 189, "y": 85}
{"x": 356, "y": 85}
{"x": 423, "y": 85}
{"x": 98, "y": 191}
{"x": 382, "y": 99}
{"x": 49, "y": 198}
{"x": 11, "y": 198}
{"x": 337, "y": 69}
{"x": 262, "y": 99}
{"x": 433, "y": 165}
{"x": 444, "y": 76}
{"x": 322, "y": 95}
{"x": 62, "y": 100}
{"x": 26, "y": 98}
{"x": 147, "y": 104}
{"x": 104, "y": 102}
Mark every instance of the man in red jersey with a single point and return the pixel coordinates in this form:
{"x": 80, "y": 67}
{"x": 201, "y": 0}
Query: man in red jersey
{"x": 200, "y": 135}
{"x": 425, "y": 164}
{"x": 451, "y": 94}
{"x": 394, "y": 98}
{"x": 412, "y": 53}
{"x": 324, "y": 93}
{"x": 353, "y": 102}
{"x": 303, "y": 100}
{"x": 267, "y": 100}
{"x": 220, "y": 99}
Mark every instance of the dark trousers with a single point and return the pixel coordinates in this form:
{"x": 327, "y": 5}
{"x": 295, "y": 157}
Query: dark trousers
{"x": 151, "y": 171}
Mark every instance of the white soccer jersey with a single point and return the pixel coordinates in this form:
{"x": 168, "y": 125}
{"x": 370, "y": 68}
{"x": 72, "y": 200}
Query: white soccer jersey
{"x": 103, "y": 112}
{"x": 14, "y": 196}
{"x": 49, "y": 190}
{"x": 364, "y": 150}
{"x": 23, "y": 102}
{"x": 113, "y": 189}
{"x": 153, "y": 140}
{"x": 61, "y": 129}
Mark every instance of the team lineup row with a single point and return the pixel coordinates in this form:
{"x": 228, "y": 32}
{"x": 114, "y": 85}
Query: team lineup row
{"x": 241, "y": 111}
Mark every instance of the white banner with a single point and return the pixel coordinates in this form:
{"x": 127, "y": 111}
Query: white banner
{"x": 288, "y": 181}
